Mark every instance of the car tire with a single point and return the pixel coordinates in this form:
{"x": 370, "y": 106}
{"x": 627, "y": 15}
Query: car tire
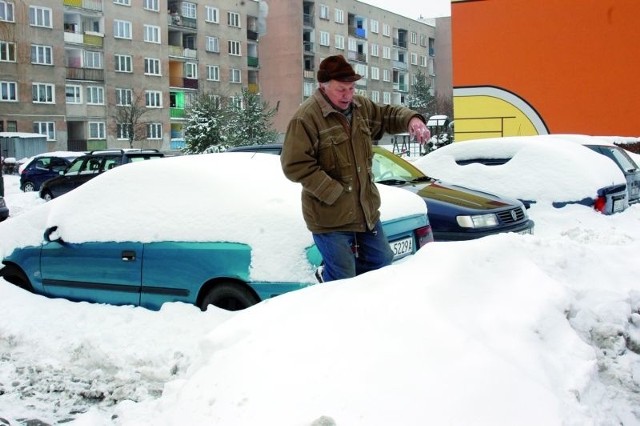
{"x": 15, "y": 276}
{"x": 47, "y": 195}
{"x": 29, "y": 187}
{"x": 229, "y": 296}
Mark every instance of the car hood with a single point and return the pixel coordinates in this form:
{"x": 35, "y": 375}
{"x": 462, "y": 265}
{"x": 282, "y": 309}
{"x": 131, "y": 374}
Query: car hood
{"x": 438, "y": 194}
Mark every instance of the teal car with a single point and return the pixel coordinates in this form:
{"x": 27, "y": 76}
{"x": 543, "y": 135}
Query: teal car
{"x": 179, "y": 230}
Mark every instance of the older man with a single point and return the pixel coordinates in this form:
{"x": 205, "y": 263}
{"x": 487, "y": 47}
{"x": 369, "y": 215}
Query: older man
{"x": 327, "y": 148}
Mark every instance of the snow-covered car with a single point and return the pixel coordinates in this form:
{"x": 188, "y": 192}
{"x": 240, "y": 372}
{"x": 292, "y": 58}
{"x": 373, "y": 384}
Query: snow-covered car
{"x": 533, "y": 169}
{"x": 624, "y": 161}
{"x": 189, "y": 229}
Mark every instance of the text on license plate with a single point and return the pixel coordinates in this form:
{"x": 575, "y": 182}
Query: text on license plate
{"x": 401, "y": 248}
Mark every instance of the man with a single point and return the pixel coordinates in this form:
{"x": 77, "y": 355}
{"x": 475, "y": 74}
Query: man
{"x": 327, "y": 148}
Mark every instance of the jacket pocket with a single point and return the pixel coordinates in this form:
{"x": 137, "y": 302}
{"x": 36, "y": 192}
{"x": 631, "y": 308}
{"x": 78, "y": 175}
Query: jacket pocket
{"x": 333, "y": 150}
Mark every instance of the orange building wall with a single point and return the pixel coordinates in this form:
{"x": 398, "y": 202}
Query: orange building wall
{"x": 574, "y": 62}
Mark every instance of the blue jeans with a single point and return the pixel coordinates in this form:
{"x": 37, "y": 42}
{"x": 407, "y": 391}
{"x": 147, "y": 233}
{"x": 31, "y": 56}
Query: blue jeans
{"x": 347, "y": 254}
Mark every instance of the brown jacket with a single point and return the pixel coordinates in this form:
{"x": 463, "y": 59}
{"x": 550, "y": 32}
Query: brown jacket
{"x": 332, "y": 160}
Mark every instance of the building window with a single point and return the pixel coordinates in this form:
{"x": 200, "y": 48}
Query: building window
{"x": 6, "y": 11}
{"x": 153, "y": 5}
{"x": 212, "y": 14}
{"x": 375, "y": 50}
{"x": 375, "y": 26}
{"x": 93, "y": 60}
{"x": 189, "y": 10}
{"x": 414, "y": 58}
{"x": 386, "y": 30}
{"x": 234, "y": 48}
{"x": 432, "y": 47}
{"x": 213, "y": 72}
{"x": 153, "y": 99}
{"x": 152, "y": 34}
{"x": 97, "y": 130}
{"x": 212, "y": 44}
{"x": 95, "y": 95}
{"x": 47, "y": 128}
{"x": 191, "y": 70}
{"x": 308, "y": 88}
{"x": 122, "y": 2}
{"x": 362, "y": 70}
{"x": 124, "y": 97}
{"x": 235, "y": 75}
{"x": 73, "y": 93}
{"x": 375, "y": 73}
{"x": 41, "y": 55}
{"x": 386, "y": 52}
{"x": 324, "y": 12}
{"x": 123, "y": 63}
{"x": 324, "y": 38}
{"x": 154, "y": 131}
{"x": 233, "y": 19}
{"x": 386, "y": 98}
{"x": 423, "y": 61}
{"x": 8, "y": 91}
{"x": 152, "y": 66}
{"x": 123, "y": 130}
{"x": 375, "y": 96}
{"x": 122, "y": 29}
{"x": 339, "y": 42}
{"x": 414, "y": 37}
{"x": 386, "y": 75}
{"x": 339, "y": 16}
{"x": 7, "y": 51}
{"x": 40, "y": 16}
{"x": 43, "y": 93}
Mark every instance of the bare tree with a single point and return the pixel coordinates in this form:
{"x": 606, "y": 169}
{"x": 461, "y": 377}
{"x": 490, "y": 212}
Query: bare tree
{"x": 127, "y": 117}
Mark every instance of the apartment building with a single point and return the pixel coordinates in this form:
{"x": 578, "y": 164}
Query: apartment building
{"x": 68, "y": 66}
{"x": 387, "y": 49}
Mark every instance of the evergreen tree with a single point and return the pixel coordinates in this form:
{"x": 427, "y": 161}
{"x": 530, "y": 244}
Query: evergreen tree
{"x": 204, "y": 128}
{"x": 249, "y": 121}
{"x": 420, "y": 98}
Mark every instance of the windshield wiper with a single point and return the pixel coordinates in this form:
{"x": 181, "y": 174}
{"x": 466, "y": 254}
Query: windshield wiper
{"x": 392, "y": 181}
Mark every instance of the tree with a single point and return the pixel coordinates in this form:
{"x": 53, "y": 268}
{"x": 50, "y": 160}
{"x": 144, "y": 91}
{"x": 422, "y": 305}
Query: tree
{"x": 128, "y": 117}
{"x": 420, "y": 98}
{"x": 204, "y": 127}
{"x": 249, "y": 121}
{"x": 217, "y": 122}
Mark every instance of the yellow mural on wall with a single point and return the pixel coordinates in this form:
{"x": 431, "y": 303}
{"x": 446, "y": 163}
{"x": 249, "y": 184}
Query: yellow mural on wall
{"x": 489, "y": 112}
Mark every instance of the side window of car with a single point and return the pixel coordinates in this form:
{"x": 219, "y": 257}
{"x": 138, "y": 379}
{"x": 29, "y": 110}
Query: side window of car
{"x": 75, "y": 167}
{"x": 90, "y": 166}
{"x": 42, "y": 163}
{"x": 110, "y": 163}
{"x": 58, "y": 164}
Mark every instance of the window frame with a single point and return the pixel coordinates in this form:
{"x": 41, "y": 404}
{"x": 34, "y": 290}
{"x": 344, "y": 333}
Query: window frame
{"x": 49, "y": 87}
{"x": 77, "y": 96}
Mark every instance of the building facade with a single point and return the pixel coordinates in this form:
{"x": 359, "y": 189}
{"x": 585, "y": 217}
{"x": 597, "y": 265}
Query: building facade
{"x": 69, "y": 68}
{"x": 387, "y": 49}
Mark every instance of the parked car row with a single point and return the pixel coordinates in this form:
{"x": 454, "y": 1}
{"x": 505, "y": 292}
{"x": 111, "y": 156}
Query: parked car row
{"x": 230, "y": 242}
{"x": 455, "y": 212}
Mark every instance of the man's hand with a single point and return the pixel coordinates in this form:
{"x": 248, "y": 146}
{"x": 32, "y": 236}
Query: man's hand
{"x": 418, "y": 130}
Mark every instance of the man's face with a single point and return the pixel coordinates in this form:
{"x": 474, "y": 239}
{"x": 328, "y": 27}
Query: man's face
{"x": 340, "y": 93}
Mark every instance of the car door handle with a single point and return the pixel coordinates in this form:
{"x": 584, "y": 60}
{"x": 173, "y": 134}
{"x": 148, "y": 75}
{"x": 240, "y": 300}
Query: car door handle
{"x": 128, "y": 255}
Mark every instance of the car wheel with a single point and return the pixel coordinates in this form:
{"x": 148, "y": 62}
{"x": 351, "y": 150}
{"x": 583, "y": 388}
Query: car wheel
{"x": 15, "y": 276}
{"x": 47, "y": 195}
{"x": 229, "y": 296}
{"x": 29, "y": 187}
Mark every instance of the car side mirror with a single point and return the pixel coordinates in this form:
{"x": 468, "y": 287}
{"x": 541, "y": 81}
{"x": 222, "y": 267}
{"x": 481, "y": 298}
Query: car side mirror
{"x": 51, "y": 235}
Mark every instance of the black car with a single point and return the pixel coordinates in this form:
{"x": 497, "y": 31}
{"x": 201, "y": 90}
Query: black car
{"x": 456, "y": 213}
{"x": 4, "y": 210}
{"x": 86, "y": 167}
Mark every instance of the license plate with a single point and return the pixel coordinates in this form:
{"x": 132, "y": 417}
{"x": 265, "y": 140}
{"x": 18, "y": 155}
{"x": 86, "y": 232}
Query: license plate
{"x": 618, "y": 205}
{"x": 401, "y": 248}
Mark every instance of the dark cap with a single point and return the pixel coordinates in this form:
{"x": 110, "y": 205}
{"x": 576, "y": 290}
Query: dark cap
{"x": 336, "y": 68}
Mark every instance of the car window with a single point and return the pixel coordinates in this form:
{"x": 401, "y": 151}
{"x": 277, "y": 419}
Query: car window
{"x": 622, "y": 158}
{"x": 75, "y": 167}
{"x": 58, "y": 164}
{"x": 111, "y": 162}
{"x": 42, "y": 163}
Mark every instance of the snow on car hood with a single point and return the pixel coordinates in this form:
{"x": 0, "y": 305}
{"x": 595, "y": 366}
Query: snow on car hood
{"x": 235, "y": 197}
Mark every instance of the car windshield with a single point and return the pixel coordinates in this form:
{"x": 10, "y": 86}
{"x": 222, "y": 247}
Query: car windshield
{"x": 388, "y": 167}
{"x": 622, "y": 158}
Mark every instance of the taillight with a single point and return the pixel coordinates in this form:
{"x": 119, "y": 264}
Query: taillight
{"x": 424, "y": 235}
{"x": 600, "y": 204}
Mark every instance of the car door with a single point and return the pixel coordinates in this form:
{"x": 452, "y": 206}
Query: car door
{"x": 81, "y": 170}
{"x": 102, "y": 272}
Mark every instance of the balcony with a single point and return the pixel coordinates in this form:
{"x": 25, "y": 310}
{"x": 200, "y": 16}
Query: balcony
{"x": 400, "y": 87}
{"x": 176, "y": 112}
{"x": 399, "y": 65}
{"x": 253, "y": 88}
{"x": 357, "y": 56}
{"x": 253, "y": 62}
{"x": 400, "y": 42}
{"x": 91, "y": 74}
{"x": 252, "y": 35}
{"x": 176, "y": 20}
{"x": 310, "y": 74}
{"x": 180, "y": 52}
{"x": 84, "y": 4}
{"x": 307, "y": 20}
{"x": 186, "y": 83}
{"x": 309, "y": 48}
{"x": 358, "y": 32}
